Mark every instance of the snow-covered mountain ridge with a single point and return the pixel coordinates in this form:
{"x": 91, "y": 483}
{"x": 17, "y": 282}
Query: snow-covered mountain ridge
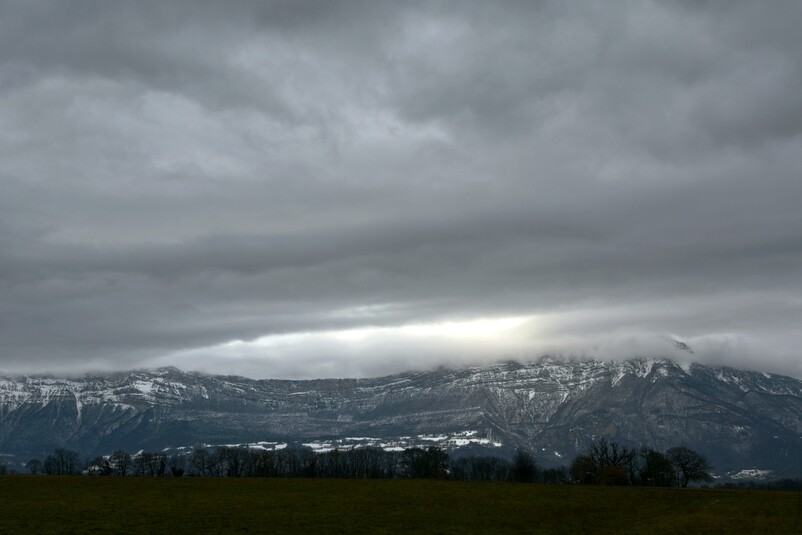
{"x": 740, "y": 419}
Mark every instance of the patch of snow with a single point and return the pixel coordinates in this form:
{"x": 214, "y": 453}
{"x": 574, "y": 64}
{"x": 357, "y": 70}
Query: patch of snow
{"x": 146, "y": 387}
{"x": 433, "y": 438}
{"x": 752, "y": 473}
{"x": 459, "y": 442}
{"x": 78, "y": 407}
{"x": 619, "y": 375}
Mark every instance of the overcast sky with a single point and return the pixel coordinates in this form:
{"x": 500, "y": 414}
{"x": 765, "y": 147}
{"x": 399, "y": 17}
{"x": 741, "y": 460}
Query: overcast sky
{"x": 304, "y": 189}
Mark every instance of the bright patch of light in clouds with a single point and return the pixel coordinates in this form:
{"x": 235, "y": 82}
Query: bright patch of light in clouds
{"x": 352, "y": 352}
{"x": 486, "y": 329}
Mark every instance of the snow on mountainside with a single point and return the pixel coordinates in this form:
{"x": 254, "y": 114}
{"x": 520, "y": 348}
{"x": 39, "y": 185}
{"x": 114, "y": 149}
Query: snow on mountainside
{"x": 742, "y": 420}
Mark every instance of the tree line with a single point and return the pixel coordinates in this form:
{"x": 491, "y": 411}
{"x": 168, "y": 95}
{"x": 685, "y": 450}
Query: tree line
{"x": 604, "y": 462}
{"x": 610, "y": 463}
{"x": 224, "y": 461}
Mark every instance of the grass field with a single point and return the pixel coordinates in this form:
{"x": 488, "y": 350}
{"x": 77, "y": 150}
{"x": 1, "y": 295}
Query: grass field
{"x": 142, "y": 505}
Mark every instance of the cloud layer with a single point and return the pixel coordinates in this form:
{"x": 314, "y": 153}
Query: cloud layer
{"x": 229, "y": 188}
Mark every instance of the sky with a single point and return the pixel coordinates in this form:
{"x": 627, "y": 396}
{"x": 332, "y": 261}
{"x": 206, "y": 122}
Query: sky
{"x": 299, "y": 189}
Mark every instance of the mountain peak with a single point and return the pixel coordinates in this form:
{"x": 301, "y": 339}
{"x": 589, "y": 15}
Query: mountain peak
{"x": 682, "y": 346}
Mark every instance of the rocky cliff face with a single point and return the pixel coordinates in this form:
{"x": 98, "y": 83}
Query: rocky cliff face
{"x": 741, "y": 420}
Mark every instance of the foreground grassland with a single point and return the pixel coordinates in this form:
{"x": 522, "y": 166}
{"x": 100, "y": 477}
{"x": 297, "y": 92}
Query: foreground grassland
{"x": 141, "y": 505}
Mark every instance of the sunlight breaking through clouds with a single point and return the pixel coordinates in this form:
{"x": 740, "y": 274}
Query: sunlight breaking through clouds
{"x": 366, "y": 351}
{"x": 480, "y": 329}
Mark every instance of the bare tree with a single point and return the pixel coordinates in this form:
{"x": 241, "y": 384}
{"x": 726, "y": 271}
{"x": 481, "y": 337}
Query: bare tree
{"x": 120, "y": 463}
{"x": 139, "y": 463}
{"x": 99, "y": 466}
{"x": 62, "y": 462}
{"x": 281, "y": 462}
{"x": 524, "y": 469}
{"x": 72, "y": 462}
{"x": 148, "y": 463}
{"x": 656, "y": 470}
{"x": 431, "y": 463}
{"x": 583, "y": 469}
{"x": 34, "y": 466}
{"x": 691, "y": 466}
{"x": 158, "y": 465}
{"x": 309, "y": 466}
{"x": 606, "y": 463}
{"x": 261, "y": 464}
{"x": 199, "y": 462}
{"x": 236, "y": 461}
{"x": 217, "y": 462}
{"x": 177, "y": 465}
{"x": 293, "y": 460}
{"x": 486, "y": 468}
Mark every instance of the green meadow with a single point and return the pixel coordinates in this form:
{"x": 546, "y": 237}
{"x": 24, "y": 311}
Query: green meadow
{"x": 195, "y": 505}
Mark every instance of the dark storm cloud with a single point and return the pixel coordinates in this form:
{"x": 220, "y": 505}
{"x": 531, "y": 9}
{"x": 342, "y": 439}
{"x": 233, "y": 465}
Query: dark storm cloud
{"x": 176, "y": 177}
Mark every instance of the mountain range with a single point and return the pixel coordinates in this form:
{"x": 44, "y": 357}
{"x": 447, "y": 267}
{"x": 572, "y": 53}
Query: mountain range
{"x": 745, "y": 422}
